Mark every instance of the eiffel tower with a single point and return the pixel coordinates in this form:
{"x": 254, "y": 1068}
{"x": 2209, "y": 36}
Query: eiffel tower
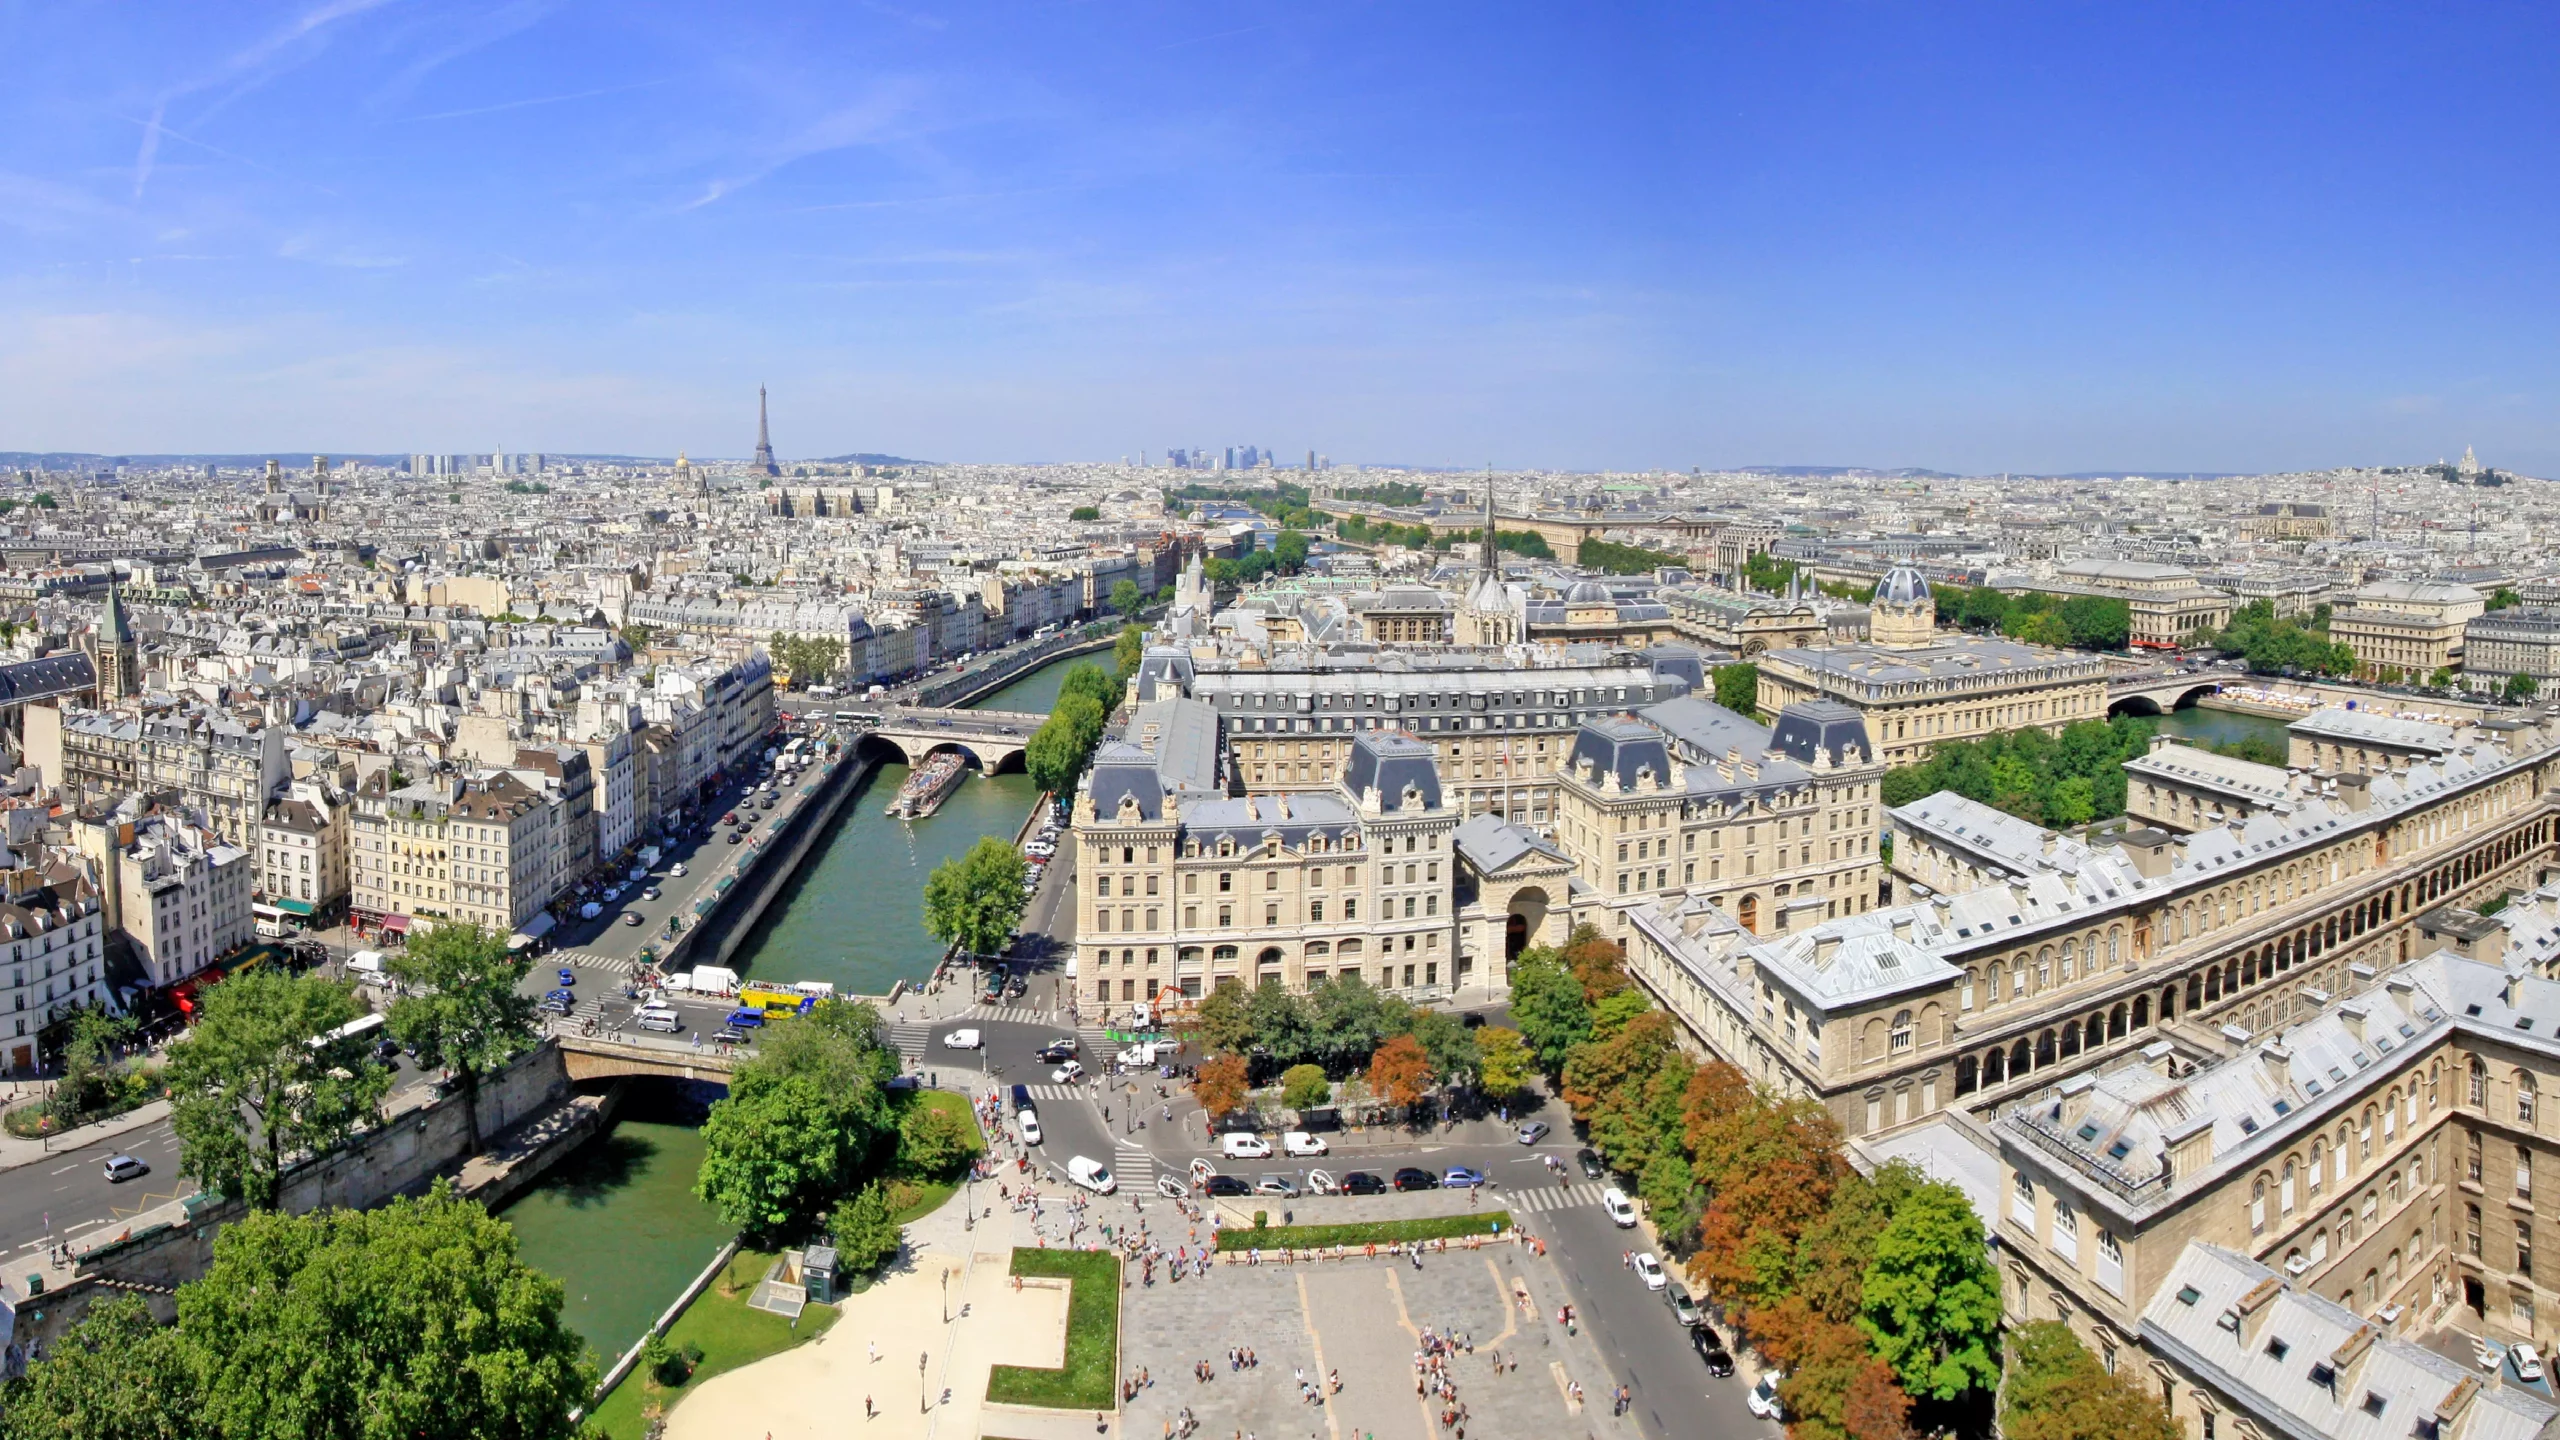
{"x": 764, "y": 439}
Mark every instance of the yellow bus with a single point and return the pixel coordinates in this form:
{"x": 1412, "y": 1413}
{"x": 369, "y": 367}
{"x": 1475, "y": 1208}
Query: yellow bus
{"x": 775, "y": 1000}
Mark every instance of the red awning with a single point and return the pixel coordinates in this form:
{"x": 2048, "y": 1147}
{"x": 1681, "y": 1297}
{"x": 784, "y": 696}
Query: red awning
{"x": 395, "y": 924}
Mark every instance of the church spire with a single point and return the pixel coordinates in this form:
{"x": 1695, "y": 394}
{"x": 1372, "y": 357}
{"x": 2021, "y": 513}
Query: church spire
{"x": 1489, "y": 565}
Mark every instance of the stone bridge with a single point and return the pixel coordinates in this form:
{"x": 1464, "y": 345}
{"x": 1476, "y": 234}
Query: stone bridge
{"x": 2156, "y": 692}
{"x": 993, "y": 738}
{"x": 590, "y": 1057}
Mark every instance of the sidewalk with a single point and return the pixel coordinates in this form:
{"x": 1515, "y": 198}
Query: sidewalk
{"x": 15, "y": 1152}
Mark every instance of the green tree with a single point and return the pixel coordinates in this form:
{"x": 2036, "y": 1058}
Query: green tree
{"x": 865, "y": 1239}
{"x": 2057, "y": 1390}
{"x": 1127, "y": 654}
{"x": 1304, "y": 1087}
{"x": 974, "y": 900}
{"x": 1126, "y": 597}
{"x": 775, "y": 1152}
{"x": 1059, "y": 749}
{"x": 1086, "y": 680}
{"x": 1738, "y": 689}
{"x": 2442, "y": 679}
{"x": 2074, "y": 802}
{"x": 1932, "y": 1300}
{"x": 1548, "y": 1004}
{"x": 1225, "y": 1020}
{"x": 2521, "y": 686}
{"x": 1283, "y": 1026}
{"x": 1455, "y": 1057}
{"x": 1504, "y": 1061}
{"x": 1084, "y": 514}
{"x": 2504, "y": 598}
{"x": 461, "y": 1007}
{"x": 935, "y": 1143}
{"x": 417, "y": 1318}
{"x": 1347, "y": 1021}
{"x": 1611, "y": 558}
{"x": 117, "y": 1375}
{"x": 249, "y": 1090}
{"x": 1290, "y": 552}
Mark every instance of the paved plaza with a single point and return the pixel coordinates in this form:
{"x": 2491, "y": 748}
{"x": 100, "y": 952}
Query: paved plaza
{"x": 1367, "y": 1319}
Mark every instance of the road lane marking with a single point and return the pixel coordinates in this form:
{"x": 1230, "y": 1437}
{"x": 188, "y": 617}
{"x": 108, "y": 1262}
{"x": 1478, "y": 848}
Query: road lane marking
{"x": 74, "y": 1165}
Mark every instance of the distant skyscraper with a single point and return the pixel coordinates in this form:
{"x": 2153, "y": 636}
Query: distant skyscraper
{"x": 764, "y": 439}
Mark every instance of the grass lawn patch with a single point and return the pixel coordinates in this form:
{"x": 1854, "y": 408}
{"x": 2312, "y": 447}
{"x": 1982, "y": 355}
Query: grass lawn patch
{"x": 730, "y": 1335}
{"x": 911, "y": 1199}
{"x": 1089, "y": 1379}
{"x": 1374, "y": 1232}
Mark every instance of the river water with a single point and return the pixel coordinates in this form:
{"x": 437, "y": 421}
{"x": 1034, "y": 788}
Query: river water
{"x": 2222, "y": 726}
{"x": 855, "y": 915}
{"x": 617, "y": 1222}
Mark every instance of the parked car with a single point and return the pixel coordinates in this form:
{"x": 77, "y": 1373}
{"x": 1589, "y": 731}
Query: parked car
{"x": 1533, "y": 1132}
{"x": 1763, "y": 1399}
{"x": 1464, "y": 1177}
{"x": 1622, "y": 1211}
{"x": 1299, "y": 1142}
{"x": 1683, "y": 1308}
{"x": 2528, "y": 1363}
{"x": 1409, "y": 1178}
{"x": 1589, "y": 1160}
{"x": 1226, "y": 1185}
{"x": 746, "y": 1017}
{"x": 1244, "y": 1147}
{"x": 121, "y": 1168}
{"x": 1711, "y": 1350}
{"x": 1361, "y": 1182}
{"x": 590, "y": 910}
{"x": 1649, "y": 1270}
{"x": 1280, "y": 1185}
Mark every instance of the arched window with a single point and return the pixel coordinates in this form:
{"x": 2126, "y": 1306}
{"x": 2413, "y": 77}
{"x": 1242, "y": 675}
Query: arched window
{"x": 2524, "y": 1099}
{"x": 2258, "y": 1205}
{"x": 1901, "y": 1031}
{"x": 2284, "y": 1190}
{"x": 2319, "y": 1158}
{"x": 2479, "y": 1083}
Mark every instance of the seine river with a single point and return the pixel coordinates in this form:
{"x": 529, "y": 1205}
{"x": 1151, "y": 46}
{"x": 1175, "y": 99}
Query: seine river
{"x": 617, "y": 1222}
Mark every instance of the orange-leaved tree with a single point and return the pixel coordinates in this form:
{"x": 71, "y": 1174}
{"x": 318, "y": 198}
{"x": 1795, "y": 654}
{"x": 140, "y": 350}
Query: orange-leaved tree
{"x": 1220, "y": 1084}
{"x": 1597, "y": 962}
{"x": 1399, "y": 1071}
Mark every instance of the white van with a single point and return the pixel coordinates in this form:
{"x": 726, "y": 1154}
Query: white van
{"x": 1244, "y": 1147}
{"x": 1621, "y": 1210}
{"x": 1092, "y": 1175}
{"x": 660, "y": 1018}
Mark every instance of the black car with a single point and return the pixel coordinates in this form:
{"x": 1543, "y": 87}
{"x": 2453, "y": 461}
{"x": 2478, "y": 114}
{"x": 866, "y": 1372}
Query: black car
{"x": 1589, "y": 1160}
{"x": 1228, "y": 1185}
{"x": 1361, "y": 1182}
{"x": 1712, "y": 1351}
{"x": 1057, "y": 1054}
{"x": 1409, "y": 1178}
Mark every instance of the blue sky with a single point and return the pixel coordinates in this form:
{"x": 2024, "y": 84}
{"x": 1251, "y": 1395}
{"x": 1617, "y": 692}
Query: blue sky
{"x": 2040, "y": 237}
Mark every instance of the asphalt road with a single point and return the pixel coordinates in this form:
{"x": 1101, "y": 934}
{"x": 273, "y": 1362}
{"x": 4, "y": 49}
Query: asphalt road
{"x": 68, "y": 1194}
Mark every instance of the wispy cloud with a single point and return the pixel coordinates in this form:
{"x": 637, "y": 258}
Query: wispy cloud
{"x": 527, "y": 104}
{"x": 463, "y": 35}
{"x": 243, "y": 72}
{"x": 872, "y": 120}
